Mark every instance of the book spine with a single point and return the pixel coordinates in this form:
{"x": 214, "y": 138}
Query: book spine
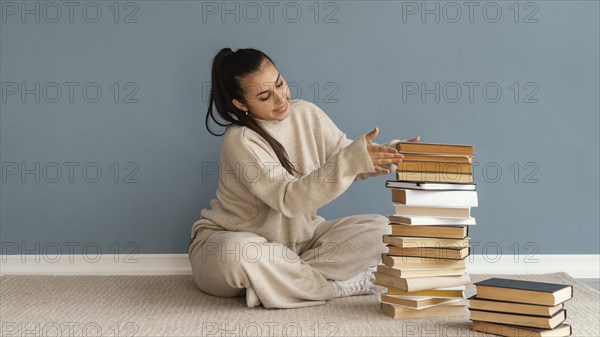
{"x": 436, "y": 177}
{"x": 421, "y": 166}
{"x": 436, "y": 148}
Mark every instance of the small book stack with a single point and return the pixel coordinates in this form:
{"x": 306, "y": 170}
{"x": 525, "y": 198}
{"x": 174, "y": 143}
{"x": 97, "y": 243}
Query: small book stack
{"x": 424, "y": 268}
{"x": 446, "y": 163}
{"x": 520, "y": 308}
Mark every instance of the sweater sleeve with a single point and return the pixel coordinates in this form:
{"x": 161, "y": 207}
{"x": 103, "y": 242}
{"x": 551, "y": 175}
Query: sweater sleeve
{"x": 390, "y": 167}
{"x": 269, "y": 181}
{"x": 337, "y": 140}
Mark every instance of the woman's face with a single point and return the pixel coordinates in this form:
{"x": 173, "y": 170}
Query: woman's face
{"x": 266, "y": 92}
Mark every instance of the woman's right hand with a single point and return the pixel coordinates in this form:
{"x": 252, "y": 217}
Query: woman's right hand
{"x": 380, "y": 154}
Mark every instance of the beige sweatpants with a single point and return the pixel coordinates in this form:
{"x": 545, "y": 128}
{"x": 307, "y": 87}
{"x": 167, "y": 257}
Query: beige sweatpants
{"x": 229, "y": 264}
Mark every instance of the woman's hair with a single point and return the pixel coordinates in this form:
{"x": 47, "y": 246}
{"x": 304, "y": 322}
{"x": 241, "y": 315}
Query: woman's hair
{"x": 228, "y": 70}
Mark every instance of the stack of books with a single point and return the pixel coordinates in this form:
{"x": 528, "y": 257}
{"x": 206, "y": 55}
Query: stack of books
{"x": 424, "y": 268}
{"x": 520, "y": 308}
{"x": 451, "y": 163}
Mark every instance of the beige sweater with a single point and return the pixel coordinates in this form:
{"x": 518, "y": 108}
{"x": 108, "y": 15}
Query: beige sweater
{"x": 256, "y": 194}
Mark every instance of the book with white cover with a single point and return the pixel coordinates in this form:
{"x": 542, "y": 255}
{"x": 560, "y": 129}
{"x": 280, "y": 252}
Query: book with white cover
{"x": 434, "y": 198}
{"x": 433, "y": 211}
{"x": 429, "y": 221}
{"x": 430, "y": 185}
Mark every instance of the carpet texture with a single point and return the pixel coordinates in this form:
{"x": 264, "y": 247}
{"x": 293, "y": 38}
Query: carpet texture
{"x": 173, "y": 306}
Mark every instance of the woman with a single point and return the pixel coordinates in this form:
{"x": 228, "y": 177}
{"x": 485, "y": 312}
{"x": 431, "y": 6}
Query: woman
{"x": 282, "y": 159}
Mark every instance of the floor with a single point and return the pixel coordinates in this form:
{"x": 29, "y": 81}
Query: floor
{"x": 171, "y": 305}
{"x": 592, "y": 282}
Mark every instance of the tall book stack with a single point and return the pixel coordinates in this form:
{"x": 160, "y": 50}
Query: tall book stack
{"x": 424, "y": 267}
{"x": 516, "y": 308}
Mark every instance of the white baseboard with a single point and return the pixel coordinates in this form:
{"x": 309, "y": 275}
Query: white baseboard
{"x": 576, "y": 265}
{"x": 106, "y": 264}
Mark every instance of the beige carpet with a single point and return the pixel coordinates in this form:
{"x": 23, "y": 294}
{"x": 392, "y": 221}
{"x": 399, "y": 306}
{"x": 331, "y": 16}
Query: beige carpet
{"x": 173, "y": 306}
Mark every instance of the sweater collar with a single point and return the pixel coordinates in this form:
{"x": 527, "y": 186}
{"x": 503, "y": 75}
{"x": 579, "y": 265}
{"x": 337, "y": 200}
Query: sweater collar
{"x": 269, "y": 123}
{"x": 273, "y": 122}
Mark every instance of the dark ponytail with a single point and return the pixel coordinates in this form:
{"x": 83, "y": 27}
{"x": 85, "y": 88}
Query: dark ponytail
{"x": 228, "y": 69}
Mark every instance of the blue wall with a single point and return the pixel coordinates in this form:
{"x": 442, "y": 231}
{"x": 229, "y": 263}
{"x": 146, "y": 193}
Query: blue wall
{"x": 364, "y": 63}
